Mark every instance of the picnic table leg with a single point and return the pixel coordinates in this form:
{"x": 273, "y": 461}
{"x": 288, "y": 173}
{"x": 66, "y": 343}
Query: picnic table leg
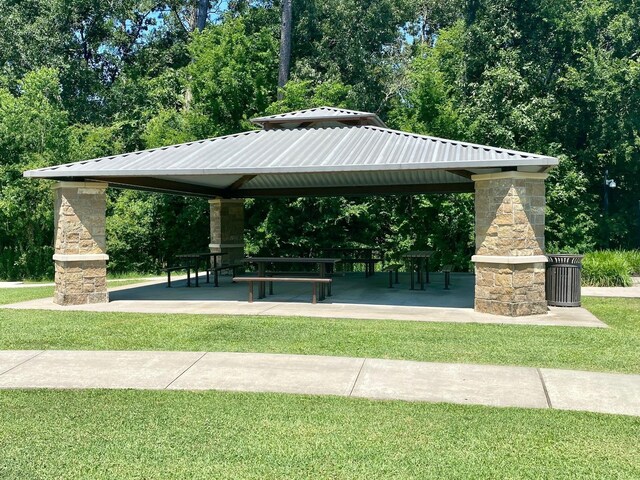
{"x": 261, "y": 287}
{"x": 215, "y": 271}
{"x": 322, "y": 268}
{"x": 427, "y": 269}
{"x": 411, "y": 272}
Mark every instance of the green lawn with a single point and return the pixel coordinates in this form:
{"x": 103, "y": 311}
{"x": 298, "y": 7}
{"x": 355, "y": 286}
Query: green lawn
{"x": 144, "y": 434}
{"x": 614, "y": 349}
{"x": 15, "y": 295}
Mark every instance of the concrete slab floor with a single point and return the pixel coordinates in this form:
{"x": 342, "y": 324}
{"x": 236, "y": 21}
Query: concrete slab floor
{"x": 614, "y": 292}
{"x": 454, "y": 383}
{"x": 249, "y": 372}
{"x": 595, "y": 392}
{"x": 353, "y": 297}
{"x": 366, "y": 378}
{"x": 99, "y": 369}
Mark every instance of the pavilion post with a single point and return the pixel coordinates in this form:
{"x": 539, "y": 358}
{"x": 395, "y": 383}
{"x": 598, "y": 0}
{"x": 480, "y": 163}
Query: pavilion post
{"x": 510, "y": 260}
{"x": 80, "y": 243}
{"x": 227, "y": 228}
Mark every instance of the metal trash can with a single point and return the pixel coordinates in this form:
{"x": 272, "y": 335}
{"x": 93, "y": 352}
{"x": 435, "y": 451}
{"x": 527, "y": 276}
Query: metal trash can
{"x": 563, "y": 278}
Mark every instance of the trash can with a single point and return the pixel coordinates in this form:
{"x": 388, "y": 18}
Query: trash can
{"x": 563, "y": 278}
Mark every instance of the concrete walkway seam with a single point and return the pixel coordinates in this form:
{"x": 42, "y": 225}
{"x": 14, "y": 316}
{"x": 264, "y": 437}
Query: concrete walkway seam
{"x": 22, "y": 362}
{"x": 544, "y": 388}
{"x": 355, "y": 382}
{"x": 185, "y": 371}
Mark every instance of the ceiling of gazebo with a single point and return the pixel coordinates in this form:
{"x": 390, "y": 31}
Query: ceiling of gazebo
{"x": 315, "y": 152}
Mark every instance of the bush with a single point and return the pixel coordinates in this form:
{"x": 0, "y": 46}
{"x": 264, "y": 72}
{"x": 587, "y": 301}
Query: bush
{"x": 633, "y": 259}
{"x": 607, "y": 268}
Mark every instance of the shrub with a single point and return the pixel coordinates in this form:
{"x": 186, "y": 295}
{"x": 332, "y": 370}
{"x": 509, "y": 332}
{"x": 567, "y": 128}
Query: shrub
{"x": 606, "y": 268}
{"x": 633, "y": 259}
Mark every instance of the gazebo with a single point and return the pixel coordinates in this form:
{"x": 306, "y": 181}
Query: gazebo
{"x": 316, "y": 152}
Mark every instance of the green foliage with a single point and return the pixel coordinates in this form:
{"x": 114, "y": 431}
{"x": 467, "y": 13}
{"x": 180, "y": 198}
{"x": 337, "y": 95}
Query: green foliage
{"x": 33, "y": 134}
{"x": 428, "y": 106}
{"x": 571, "y": 224}
{"x": 349, "y": 41}
{"x": 81, "y": 79}
{"x": 303, "y": 94}
{"x": 633, "y": 259}
{"x": 607, "y": 268}
{"x": 146, "y": 231}
{"x": 233, "y": 73}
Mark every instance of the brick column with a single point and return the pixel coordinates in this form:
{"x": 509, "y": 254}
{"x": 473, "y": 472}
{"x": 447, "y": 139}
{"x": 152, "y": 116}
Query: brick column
{"x": 227, "y": 228}
{"x": 80, "y": 258}
{"x": 509, "y": 260}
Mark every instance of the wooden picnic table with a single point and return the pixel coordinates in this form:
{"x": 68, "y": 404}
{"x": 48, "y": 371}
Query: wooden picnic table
{"x": 196, "y": 258}
{"x": 419, "y": 259}
{"x": 322, "y": 263}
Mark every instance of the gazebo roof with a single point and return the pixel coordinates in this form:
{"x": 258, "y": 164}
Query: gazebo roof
{"x": 321, "y": 151}
{"x": 324, "y": 115}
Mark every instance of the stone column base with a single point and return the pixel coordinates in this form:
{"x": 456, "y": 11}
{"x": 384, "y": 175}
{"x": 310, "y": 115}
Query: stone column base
{"x": 79, "y": 282}
{"x": 513, "y": 290}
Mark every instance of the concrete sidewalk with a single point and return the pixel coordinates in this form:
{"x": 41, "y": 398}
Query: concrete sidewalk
{"x": 614, "y": 292}
{"x": 499, "y": 386}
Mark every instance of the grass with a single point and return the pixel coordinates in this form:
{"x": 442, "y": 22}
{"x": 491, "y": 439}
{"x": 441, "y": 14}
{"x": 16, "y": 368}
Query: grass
{"x": 15, "y": 295}
{"x": 143, "y": 434}
{"x": 23, "y": 294}
{"x": 614, "y": 349}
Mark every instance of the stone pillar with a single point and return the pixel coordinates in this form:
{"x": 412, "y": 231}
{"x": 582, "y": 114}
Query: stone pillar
{"x": 80, "y": 258}
{"x": 227, "y": 228}
{"x": 509, "y": 260}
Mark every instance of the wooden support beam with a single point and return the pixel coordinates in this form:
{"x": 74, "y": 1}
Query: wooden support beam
{"x": 361, "y": 190}
{"x": 241, "y": 181}
{"x": 462, "y": 173}
{"x": 152, "y": 184}
{"x": 163, "y": 186}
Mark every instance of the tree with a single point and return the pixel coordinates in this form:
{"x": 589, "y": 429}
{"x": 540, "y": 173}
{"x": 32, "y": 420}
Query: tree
{"x": 285, "y": 46}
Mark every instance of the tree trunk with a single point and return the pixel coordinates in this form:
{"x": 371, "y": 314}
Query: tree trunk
{"x": 285, "y": 47}
{"x": 198, "y": 22}
{"x": 202, "y": 12}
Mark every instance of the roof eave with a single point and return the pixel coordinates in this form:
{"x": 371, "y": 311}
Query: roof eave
{"x": 63, "y": 173}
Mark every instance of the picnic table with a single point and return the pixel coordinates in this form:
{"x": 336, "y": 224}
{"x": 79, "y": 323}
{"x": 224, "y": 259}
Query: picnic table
{"x": 322, "y": 263}
{"x": 195, "y": 259}
{"x": 364, "y": 255}
{"x": 419, "y": 261}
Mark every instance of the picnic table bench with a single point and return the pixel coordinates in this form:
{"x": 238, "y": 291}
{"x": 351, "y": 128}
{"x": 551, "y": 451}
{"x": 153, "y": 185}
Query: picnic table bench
{"x": 176, "y": 268}
{"x": 262, "y": 262}
{"x": 392, "y": 269}
{"x": 261, "y": 280}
